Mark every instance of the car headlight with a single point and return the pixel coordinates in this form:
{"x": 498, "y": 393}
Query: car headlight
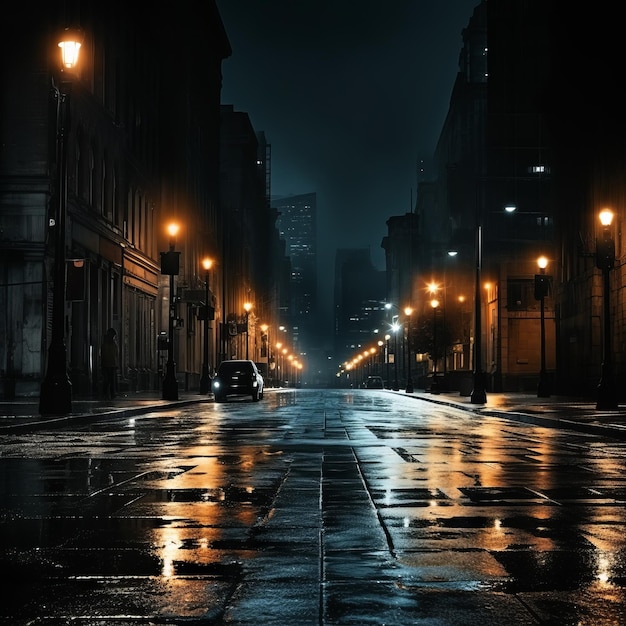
{"x": 216, "y": 384}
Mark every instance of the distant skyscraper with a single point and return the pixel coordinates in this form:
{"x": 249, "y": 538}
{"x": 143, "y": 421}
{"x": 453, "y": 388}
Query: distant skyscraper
{"x": 297, "y": 226}
{"x": 359, "y": 301}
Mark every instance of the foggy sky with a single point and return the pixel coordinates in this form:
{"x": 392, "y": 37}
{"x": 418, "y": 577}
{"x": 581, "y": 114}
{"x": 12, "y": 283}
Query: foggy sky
{"x": 351, "y": 96}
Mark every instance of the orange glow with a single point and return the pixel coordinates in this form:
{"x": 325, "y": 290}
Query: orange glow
{"x": 70, "y": 47}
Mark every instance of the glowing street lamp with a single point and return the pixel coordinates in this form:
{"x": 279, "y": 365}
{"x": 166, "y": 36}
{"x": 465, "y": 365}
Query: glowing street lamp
{"x": 434, "y": 385}
{"x": 205, "y": 384}
{"x": 387, "y": 338}
{"x": 408, "y": 311}
{"x": 247, "y": 306}
{"x": 56, "y": 389}
{"x": 278, "y": 345}
{"x": 605, "y": 260}
{"x": 265, "y": 338}
{"x": 479, "y": 391}
{"x": 395, "y": 327}
{"x": 170, "y": 263}
{"x": 542, "y": 286}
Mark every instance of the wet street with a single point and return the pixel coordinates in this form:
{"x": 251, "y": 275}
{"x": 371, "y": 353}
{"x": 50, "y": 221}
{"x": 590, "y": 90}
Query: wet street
{"x": 312, "y": 507}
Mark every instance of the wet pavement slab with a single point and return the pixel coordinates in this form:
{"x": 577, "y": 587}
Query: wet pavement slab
{"x": 312, "y": 508}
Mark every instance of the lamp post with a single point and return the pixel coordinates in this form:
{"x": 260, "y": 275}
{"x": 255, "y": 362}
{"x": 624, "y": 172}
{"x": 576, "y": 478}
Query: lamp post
{"x": 381, "y": 353}
{"x": 170, "y": 265}
{"x": 279, "y": 345}
{"x": 479, "y": 393}
{"x": 265, "y": 329}
{"x": 204, "y": 379}
{"x": 395, "y": 327}
{"x": 409, "y": 381}
{"x": 542, "y": 285}
{"x": 247, "y": 306}
{"x": 387, "y": 338}
{"x": 605, "y": 260}
{"x": 434, "y": 385}
{"x": 56, "y": 389}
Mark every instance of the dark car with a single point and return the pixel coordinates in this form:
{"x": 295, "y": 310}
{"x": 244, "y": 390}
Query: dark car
{"x": 237, "y": 377}
{"x": 374, "y": 382}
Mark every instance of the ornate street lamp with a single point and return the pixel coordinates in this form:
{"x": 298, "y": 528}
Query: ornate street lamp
{"x": 56, "y": 389}
{"x": 542, "y": 286}
{"x": 409, "y": 381}
{"x": 479, "y": 392}
{"x": 434, "y": 385}
{"x": 247, "y": 306}
{"x": 283, "y": 357}
{"x": 395, "y": 327}
{"x": 605, "y": 260}
{"x": 205, "y": 380}
{"x": 387, "y": 338}
{"x": 279, "y": 370}
{"x": 265, "y": 329}
{"x": 170, "y": 264}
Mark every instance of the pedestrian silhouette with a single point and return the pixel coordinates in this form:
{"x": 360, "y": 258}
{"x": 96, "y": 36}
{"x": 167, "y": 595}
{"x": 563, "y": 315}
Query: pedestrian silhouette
{"x": 109, "y": 358}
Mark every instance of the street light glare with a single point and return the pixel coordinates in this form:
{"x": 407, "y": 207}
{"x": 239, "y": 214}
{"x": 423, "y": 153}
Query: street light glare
{"x": 433, "y": 287}
{"x": 606, "y": 217}
{"x": 542, "y": 262}
{"x": 172, "y": 229}
{"x": 70, "y": 47}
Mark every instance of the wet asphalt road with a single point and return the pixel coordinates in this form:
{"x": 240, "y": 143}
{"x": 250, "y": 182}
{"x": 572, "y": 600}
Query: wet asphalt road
{"x": 312, "y": 507}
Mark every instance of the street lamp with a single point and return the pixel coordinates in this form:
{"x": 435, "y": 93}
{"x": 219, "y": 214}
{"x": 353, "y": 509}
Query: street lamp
{"x": 55, "y": 396}
{"x": 265, "y": 329}
{"x": 542, "y": 286}
{"x": 205, "y": 384}
{"x": 409, "y": 381}
{"x": 605, "y": 260}
{"x": 434, "y": 385}
{"x": 170, "y": 263}
{"x": 479, "y": 393}
{"x": 395, "y": 327}
{"x": 387, "y": 338}
{"x": 278, "y": 346}
{"x": 247, "y": 306}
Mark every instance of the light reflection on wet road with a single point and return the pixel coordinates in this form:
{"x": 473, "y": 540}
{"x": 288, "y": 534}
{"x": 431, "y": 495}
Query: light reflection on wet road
{"x": 313, "y": 507}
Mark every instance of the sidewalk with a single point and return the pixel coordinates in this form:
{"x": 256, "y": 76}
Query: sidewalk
{"x": 22, "y": 414}
{"x": 555, "y": 411}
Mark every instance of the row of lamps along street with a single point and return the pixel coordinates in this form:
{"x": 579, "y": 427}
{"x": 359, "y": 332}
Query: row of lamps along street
{"x": 606, "y": 391}
{"x": 56, "y": 388}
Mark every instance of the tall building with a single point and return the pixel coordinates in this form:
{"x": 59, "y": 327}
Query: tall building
{"x": 297, "y": 226}
{"x": 94, "y": 165}
{"x": 359, "y": 309}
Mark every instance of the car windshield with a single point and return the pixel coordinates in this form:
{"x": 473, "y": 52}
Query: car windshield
{"x": 228, "y": 369}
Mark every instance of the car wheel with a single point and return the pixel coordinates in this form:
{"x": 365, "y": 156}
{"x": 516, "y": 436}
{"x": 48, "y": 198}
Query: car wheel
{"x": 220, "y": 397}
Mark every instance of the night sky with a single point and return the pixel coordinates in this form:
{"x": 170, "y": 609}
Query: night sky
{"x": 351, "y": 96}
